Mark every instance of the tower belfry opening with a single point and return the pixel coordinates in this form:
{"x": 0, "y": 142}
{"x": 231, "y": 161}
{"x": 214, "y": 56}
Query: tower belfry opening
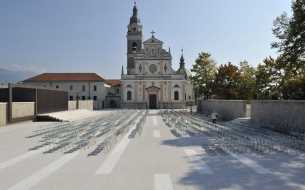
{"x": 134, "y": 47}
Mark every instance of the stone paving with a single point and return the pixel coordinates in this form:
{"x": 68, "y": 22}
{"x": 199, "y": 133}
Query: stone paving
{"x": 158, "y": 160}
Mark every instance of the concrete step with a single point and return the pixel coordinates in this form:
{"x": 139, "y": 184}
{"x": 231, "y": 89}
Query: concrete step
{"x": 71, "y": 115}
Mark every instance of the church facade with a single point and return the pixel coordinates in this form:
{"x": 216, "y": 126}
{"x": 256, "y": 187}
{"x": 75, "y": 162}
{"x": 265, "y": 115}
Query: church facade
{"x": 150, "y": 81}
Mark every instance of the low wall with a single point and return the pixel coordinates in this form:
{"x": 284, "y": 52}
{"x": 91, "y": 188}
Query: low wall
{"x": 97, "y": 104}
{"x": 86, "y": 104}
{"x": 83, "y": 104}
{"x": 172, "y": 105}
{"x": 22, "y": 109}
{"x": 162, "y": 105}
{"x": 71, "y": 105}
{"x": 228, "y": 109}
{"x": 290, "y": 112}
{"x": 3, "y": 114}
{"x": 132, "y": 105}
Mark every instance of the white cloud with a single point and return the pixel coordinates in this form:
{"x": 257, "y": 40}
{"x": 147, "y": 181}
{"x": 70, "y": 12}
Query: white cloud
{"x": 31, "y": 68}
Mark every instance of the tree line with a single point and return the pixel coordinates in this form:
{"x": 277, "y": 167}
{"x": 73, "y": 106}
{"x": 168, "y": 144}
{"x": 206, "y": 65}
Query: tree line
{"x": 282, "y": 77}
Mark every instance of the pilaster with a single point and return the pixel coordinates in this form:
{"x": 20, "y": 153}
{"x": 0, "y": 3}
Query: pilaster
{"x": 144, "y": 90}
{"x": 136, "y": 91}
{"x": 169, "y": 91}
{"x": 122, "y": 92}
{"x": 183, "y": 91}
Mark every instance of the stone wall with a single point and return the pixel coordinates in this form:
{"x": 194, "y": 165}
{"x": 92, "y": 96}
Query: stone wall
{"x": 131, "y": 105}
{"x": 162, "y": 105}
{"x": 3, "y": 114}
{"x": 83, "y": 104}
{"x": 71, "y": 105}
{"x": 228, "y": 109}
{"x": 86, "y": 104}
{"x": 97, "y": 104}
{"x": 290, "y": 112}
{"x": 22, "y": 109}
{"x": 173, "y": 105}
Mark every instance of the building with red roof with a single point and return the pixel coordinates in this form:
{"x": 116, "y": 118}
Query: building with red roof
{"x": 90, "y": 86}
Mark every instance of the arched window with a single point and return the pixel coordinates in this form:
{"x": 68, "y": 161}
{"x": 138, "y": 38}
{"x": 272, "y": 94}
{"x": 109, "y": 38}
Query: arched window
{"x": 152, "y": 51}
{"x": 176, "y": 95}
{"x": 134, "y": 47}
{"x": 129, "y": 95}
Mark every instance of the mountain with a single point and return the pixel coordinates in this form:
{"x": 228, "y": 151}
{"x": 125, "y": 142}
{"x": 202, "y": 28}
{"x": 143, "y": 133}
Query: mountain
{"x": 14, "y": 77}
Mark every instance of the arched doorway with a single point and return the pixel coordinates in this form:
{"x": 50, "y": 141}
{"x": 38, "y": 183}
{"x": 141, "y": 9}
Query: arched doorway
{"x": 153, "y": 97}
{"x": 152, "y": 101}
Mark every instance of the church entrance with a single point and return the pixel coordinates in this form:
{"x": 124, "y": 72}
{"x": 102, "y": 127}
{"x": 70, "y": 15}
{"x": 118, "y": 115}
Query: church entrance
{"x": 153, "y": 101}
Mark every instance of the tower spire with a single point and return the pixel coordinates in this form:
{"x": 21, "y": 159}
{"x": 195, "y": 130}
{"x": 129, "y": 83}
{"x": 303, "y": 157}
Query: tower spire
{"x": 182, "y": 51}
{"x": 182, "y": 59}
{"x": 135, "y": 18}
{"x": 135, "y": 10}
{"x": 122, "y": 73}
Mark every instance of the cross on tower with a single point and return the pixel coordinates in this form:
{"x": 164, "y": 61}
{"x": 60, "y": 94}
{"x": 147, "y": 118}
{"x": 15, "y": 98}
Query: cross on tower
{"x": 135, "y": 3}
{"x": 182, "y": 50}
{"x": 152, "y": 33}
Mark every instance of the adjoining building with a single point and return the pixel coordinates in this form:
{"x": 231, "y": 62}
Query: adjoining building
{"x": 3, "y": 86}
{"x": 89, "y": 86}
{"x": 150, "y": 81}
{"x": 113, "y": 99}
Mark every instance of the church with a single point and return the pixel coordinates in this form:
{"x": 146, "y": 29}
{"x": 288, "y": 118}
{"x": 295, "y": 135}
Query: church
{"x": 150, "y": 81}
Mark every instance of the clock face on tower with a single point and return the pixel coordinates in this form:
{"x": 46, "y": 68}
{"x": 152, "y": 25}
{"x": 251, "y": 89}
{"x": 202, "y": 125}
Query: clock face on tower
{"x": 134, "y": 29}
{"x": 152, "y": 68}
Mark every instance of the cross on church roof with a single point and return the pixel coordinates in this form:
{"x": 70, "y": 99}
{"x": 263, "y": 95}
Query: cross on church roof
{"x": 135, "y": 3}
{"x": 152, "y": 33}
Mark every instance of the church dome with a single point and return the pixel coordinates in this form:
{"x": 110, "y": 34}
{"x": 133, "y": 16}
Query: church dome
{"x": 135, "y": 19}
{"x": 182, "y": 70}
{"x": 185, "y": 72}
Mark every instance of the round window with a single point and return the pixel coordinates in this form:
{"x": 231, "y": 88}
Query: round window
{"x": 152, "y": 68}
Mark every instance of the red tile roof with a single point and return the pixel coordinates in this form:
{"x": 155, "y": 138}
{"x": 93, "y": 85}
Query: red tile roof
{"x": 66, "y": 77}
{"x": 114, "y": 82}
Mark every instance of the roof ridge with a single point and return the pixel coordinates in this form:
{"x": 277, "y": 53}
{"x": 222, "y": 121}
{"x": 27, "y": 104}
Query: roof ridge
{"x": 67, "y": 77}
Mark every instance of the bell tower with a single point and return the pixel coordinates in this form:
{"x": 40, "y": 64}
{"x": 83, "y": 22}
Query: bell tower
{"x": 134, "y": 38}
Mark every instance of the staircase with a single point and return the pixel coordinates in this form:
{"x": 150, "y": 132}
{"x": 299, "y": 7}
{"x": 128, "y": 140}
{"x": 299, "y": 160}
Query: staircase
{"x": 66, "y": 116}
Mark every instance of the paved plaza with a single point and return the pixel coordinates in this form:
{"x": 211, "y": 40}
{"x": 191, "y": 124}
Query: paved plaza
{"x": 157, "y": 160}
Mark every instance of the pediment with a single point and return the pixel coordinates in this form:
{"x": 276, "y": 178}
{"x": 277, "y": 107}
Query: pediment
{"x": 153, "y": 88}
{"x": 153, "y": 40}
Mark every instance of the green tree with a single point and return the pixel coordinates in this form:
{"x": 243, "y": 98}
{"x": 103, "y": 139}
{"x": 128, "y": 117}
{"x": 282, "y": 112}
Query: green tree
{"x": 226, "y": 81}
{"x": 291, "y": 35}
{"x": 262, "y": 82}
{"x": 289, "y": 83}
{"x": 295, "y": 88}
{"x": 246, "y": 83}
{"x": 276, "y": 72}
{"x": 204, "y": 69}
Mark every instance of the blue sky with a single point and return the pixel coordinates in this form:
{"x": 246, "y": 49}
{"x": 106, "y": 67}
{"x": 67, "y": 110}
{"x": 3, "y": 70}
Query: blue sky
{"x": 90, "y": 35}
